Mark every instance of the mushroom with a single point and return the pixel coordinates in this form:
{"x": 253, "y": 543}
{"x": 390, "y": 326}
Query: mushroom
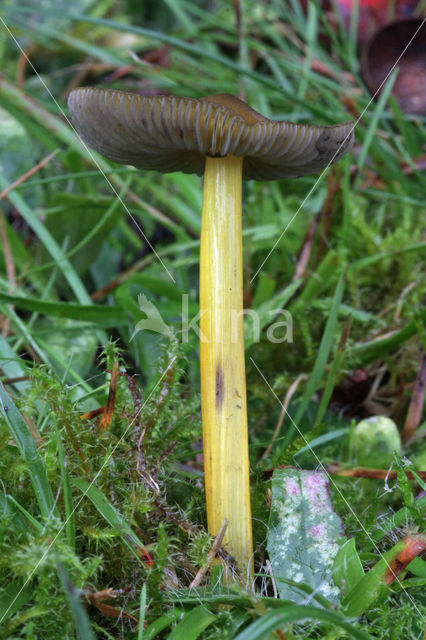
{"x": 225, "y": 139}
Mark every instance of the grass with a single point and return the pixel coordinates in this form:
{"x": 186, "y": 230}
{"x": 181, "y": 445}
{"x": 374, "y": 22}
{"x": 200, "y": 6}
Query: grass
{"x": 103, "y": 523}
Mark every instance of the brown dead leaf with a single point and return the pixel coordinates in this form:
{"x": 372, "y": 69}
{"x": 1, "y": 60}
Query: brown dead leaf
{"x": 415, "y": 544}
{"x": 108, "y": 414}
{"x": 97, "y": 599}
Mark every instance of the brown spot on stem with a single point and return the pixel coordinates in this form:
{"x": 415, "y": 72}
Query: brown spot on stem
{"x": 219, "y": 386}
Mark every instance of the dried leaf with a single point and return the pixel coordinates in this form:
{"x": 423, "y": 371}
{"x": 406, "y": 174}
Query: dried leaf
{"x": 108, "y": 414}
{"x": 414, "y": 545}
{"x": 97, "y": 598}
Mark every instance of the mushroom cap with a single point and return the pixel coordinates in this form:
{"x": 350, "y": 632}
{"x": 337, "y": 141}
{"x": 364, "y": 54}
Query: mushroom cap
{"x": 169, "y": 133}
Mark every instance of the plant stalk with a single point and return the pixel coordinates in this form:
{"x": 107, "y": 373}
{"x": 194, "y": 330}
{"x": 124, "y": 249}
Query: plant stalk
{"x": 223, "y": 384}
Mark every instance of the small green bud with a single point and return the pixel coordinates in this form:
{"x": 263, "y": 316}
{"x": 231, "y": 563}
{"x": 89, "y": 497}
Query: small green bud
{"x": 373, "y": 442}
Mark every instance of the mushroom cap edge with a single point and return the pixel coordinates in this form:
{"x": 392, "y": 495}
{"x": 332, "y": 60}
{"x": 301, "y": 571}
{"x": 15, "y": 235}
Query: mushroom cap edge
{"x": 170, "y": 133}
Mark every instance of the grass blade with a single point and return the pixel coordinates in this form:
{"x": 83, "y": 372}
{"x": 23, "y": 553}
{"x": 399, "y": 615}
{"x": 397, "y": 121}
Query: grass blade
{"x": 100, "y": 315}
{"x": 48, "y": 241}
{"x": 13, "y": 596}
{"x": 66, "y": 492}
{"x": 111, "y": 515}
{"x": 142, "y": 607}
{"x": 78, "y": 612}
{"x": 193, "y": 624}
{"x": 323, "y": 351}
{"x": 378, "y": 113}
{"x": 262, "y": 628}
{"x": 28, "y": 450}
{"x": 363, "y": 594}
{"x": 164, "y": 621}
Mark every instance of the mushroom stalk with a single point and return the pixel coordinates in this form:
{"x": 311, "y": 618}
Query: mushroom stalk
{"x": 172, "y": 133}
{"x": 223, "y": 385}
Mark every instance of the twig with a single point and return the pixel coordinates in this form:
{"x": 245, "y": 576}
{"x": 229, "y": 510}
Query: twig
{"x": 28, "y": 174}
{"x": 288, "y": 396}
{"x": 211, "y": 555}
{"x": 359, "y": 472}
{"x": 327, "y": 212}
{"x": 365, "y": 472}
{"x": 137, "y": 400}
{"x": 305, "y": 253}
{"x": 6, "y": 381}
{"x": 271, "y": 573}
{"x": 416, "y": 405}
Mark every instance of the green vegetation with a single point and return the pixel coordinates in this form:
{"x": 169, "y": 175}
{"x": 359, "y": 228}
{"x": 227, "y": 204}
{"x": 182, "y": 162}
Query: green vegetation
{"x": 102, "y": 518}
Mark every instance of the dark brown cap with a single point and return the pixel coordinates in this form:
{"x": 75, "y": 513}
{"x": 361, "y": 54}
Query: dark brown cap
{"x": 170, "y": 133}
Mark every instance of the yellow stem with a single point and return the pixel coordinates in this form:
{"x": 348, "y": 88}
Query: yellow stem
{"x": 223, "y": 385}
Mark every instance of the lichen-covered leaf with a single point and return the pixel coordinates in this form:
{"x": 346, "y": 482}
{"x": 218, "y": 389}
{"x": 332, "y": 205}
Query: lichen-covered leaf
{"x": 303, "y": 534}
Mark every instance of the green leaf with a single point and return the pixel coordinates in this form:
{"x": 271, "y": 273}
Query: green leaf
{"x": 164, "y": 621}
{"x": 100, "y": 315}
{"x": 67, "y": 341}
{"x": 348, "y": 569}
{"x": 48, "y": 242}
{"x": 263, "y": 628}
{"x": 417, "y": 567}
{"x": 13, "y": 596}
{"x": 142, "y": 611}
{"x": 321, "y": 281}
{"x": 28, "y": 450}
{"x": 110, "y": 513}
{"x": 398, "y": 519}
{"x": 84, "y": 222}
{"x": 78, "y": 612}
{"x": 66, "y": 492}
{"x": 371, "y": 133}
{"x": 265, "y": 314}
{"x": 12, "y": 365}
{"x": 17, "y": 153}
{"x": 367, "y": 351}
{"x": 323, "y": 351}
{"x": 193, "y": 624}
{"x": 265, "y": 288}
{"x": 303, "y": 533}
{"x": 363, "y": 594}
{"x": 315, "y": 443}
{"x": 11, "y": 508}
